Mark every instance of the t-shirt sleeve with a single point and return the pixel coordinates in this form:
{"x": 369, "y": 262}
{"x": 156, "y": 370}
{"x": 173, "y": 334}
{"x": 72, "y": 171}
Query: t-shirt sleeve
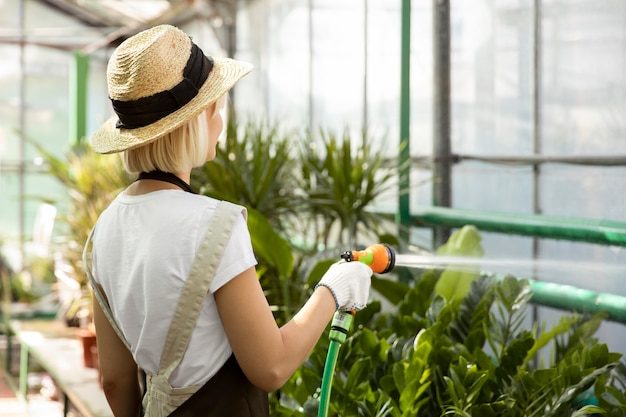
{"x": 238, "y": 255}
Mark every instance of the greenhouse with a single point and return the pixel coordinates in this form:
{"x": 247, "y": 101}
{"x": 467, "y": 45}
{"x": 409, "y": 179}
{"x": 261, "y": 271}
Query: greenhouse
{"x": 301, "y": 208}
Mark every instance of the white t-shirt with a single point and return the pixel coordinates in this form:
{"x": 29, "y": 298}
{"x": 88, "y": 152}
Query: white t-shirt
{"x": 143, "y": 248}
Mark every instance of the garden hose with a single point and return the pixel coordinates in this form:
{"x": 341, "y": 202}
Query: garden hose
{"x": 342, "y": 321}
{"x": 381, "y": 259}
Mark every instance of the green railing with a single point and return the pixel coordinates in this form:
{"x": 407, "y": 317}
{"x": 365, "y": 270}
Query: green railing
{"x": 566, "y": 297}
{"x": 606, "y": 232}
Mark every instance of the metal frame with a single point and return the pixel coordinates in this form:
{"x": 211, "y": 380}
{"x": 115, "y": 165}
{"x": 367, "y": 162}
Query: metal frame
{"x": 403, "y": 217}
{"x": 442, "y": 147}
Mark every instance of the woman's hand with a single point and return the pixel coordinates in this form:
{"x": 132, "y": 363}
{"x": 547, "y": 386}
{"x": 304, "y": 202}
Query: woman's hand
{"x": 349, "y": 282}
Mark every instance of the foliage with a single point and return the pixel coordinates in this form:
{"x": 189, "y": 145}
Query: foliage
{"x": 454, "y": 284}
{"x": 254, "y": 167}
{"x": 340, "y": 180}
{"x": 92, "y": 181}
{"x": 465, "y": 356}
{"x": 291, "y": 197}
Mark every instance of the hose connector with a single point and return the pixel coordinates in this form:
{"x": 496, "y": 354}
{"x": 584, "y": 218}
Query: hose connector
{"x": 381, "y": 258}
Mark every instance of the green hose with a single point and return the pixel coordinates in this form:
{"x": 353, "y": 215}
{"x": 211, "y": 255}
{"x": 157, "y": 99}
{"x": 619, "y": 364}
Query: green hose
{"x": 342, "y": 321}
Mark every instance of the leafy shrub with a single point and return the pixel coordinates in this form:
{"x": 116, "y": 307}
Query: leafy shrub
{"x": 465, "y": 356}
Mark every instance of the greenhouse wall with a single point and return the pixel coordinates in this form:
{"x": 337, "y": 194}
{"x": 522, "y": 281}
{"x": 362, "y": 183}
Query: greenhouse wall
{"x": 581, "y": 101}
{"x": 336, "y": 65}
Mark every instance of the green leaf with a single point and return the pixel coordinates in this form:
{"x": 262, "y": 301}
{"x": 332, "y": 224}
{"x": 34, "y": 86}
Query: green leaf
{"x": 357, "y": 373}
{"x": 473, "y": 317}
{"x": 514, "y": 355}
{"x": 398, "y": 371}
{"x": 318, "y": 271}
{"x": 455, "y": 284}
{"x": 393, "y": 291}
{"x": 563, "y": 326}
{"x": 269, "y": 245}
{"x": 463, "y": 242}
{"x": 589, "y": 409}
{"x": 368, "y": 341}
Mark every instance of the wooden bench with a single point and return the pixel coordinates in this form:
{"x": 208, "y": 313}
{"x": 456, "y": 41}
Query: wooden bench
{"x": 57, "y": 349}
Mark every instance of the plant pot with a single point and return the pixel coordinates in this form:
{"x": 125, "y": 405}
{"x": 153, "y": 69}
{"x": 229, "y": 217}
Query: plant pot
{"x": 88, "y": 341}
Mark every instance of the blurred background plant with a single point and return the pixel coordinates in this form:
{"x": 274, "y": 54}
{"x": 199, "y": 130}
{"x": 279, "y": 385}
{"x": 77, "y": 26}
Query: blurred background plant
{"x": 341, "y": 179}
{"x": 92, "y": 182}
{"x": 254, "y": 166}
{"x": 7, "y": 293}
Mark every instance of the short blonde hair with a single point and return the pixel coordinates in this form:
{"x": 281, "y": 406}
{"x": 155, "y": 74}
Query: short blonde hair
{"x": 180, "y": 150}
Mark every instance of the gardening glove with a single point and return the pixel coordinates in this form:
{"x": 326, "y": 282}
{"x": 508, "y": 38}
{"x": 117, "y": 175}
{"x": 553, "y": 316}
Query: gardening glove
{"x": 349, "y": 283}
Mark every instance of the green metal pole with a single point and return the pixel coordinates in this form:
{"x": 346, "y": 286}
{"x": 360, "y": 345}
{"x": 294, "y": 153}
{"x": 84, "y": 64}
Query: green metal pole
{"x": 403, "y": 218}
{"x": 606, "y": 232}
{"x": 567, "y": 297}
{"x": 78, "y": 97}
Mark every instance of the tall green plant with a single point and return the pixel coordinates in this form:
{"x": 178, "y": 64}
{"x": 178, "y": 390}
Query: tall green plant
{"x": 340, "y": 180}
{"x": 254, "y": 167}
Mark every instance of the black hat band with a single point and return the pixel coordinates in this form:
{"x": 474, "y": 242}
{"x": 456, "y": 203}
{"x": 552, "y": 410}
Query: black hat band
{"x": 147, "y": 110}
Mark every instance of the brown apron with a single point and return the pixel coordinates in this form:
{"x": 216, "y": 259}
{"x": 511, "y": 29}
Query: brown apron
{"x": 227, "y": 393}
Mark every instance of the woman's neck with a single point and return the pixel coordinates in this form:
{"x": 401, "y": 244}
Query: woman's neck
{"x": 145, "y": 186}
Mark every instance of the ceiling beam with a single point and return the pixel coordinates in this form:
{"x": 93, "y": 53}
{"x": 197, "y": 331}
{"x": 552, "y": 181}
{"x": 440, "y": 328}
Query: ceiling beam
{"x": 80, "y": 13}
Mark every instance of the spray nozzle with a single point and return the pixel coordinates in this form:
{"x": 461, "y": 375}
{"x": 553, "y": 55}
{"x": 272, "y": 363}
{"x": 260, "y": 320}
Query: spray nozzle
{"x": 381, "y": 258}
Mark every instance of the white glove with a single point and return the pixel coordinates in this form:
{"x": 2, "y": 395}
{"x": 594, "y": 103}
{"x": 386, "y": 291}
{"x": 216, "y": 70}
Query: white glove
{"x": 349, "y": 282}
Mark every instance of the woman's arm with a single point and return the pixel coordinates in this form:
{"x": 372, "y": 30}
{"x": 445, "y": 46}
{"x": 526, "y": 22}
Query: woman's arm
{"x": 267, "y": 354}
{"x": 119, "y": 370}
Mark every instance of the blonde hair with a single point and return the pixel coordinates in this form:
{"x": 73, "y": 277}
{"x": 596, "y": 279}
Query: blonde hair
{"x": 180, "y": 150}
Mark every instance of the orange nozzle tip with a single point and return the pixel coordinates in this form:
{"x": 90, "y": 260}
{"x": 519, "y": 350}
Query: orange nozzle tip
{"x": 381, "y": 258}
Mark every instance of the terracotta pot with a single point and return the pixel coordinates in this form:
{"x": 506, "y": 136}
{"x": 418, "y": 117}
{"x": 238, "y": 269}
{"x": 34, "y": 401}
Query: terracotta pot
{"x": 88, "y": 340}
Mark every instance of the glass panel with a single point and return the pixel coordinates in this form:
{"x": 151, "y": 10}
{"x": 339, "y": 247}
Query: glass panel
{"x": 491, "y": 59}
{"x": 421, "y": 79}
{"x": 40, "y": 188}
{"x": 9, "y": 136}
{"x": 9, "y": 206}
{"x": 584, "y": 48}
{"x": 338, "y": 64}
{"x": 9, "y": 102}
{"x": 99, "y": 106}
{"x": 251, "y": 95}
{"x": 594, "y": 192}
{"x": 47, "y": 101}
{"x": 383, "y": 74}
{"x": 287, "y": 63}
{"x": 9, "y": 15}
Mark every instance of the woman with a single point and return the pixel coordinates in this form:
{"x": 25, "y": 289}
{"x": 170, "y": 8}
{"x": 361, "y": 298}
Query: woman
{"x": 173, "y": 272}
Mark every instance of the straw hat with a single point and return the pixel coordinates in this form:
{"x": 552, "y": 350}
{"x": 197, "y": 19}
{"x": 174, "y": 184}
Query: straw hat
{"x": 158, "y": 80}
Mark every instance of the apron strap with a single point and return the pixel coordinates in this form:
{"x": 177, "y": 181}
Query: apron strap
{"x": 197, "y": 286}
{"x": 97, "y": 289}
